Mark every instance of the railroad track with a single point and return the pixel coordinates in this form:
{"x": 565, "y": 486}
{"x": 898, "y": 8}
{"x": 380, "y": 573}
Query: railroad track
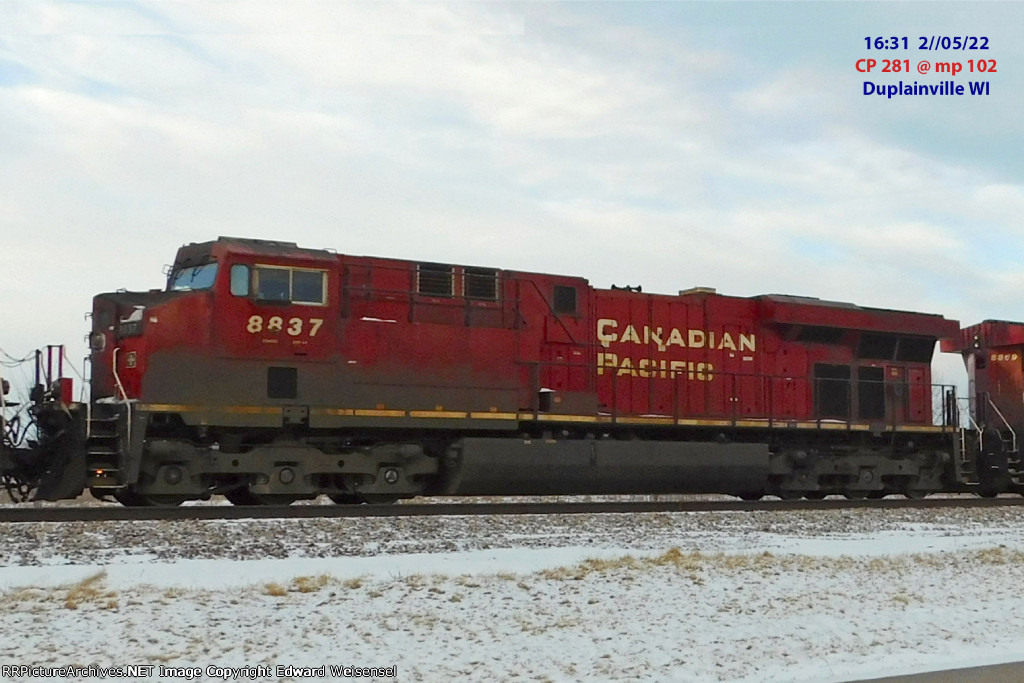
{"x": 111, "y": 513}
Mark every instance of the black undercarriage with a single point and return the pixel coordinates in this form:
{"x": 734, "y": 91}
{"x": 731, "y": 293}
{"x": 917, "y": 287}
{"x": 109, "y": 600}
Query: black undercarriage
{"x": 149, "y": 458}
{"x": 174, "y": 462}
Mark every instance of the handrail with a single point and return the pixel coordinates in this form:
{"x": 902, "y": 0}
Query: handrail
{"x": 970, "y": 421}
{"x": 681, "y": 398}
{"x": 87, "y": 366}
{"x": 124, "y": 394}
{"x": 1013, "y": 434}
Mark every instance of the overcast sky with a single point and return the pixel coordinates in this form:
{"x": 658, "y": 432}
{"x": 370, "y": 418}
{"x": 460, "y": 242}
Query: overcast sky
{"x": 664, "y": 144}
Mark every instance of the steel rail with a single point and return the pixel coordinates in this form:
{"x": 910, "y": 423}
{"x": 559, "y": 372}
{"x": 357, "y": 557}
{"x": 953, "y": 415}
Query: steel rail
{"x": 112, "y": 513}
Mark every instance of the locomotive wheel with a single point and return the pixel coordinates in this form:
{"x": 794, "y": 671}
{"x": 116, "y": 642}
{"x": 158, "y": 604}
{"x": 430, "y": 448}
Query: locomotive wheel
{"x": 241, "y": 497}
{"x": 753, "y": 495}
{"x": 244, "y": 496}
{"x": 378, "y": 499}
{"x": 876, "y": 495}
{"x": 130, "y": 498}
{"x": 274, "y": 498}
{"x": 345, "y": 499}
{"x": 815, "y": 495}
{"x": 915, "y": 494}
{"x": 357, "y": 499}
{"x": 855, "y": 495}
{"x": 165, "y": 501}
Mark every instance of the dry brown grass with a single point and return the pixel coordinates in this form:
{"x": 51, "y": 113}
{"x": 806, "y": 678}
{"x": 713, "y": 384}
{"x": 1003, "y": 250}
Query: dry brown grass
{"x": 300, "y": 584}
{"x": 416, "y": 581}
{"x": 90, "y": 589}
{"x": 22, "y": 595}
{"x": 275, "y": 590}
{"x": 685, "y": 562}
{"x": 310, "y": 584}
{"x": 1000, "y": 555}
{"x": 695, "y": 563}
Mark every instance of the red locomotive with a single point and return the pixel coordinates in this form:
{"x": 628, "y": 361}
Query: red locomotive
{"x": 270, "y": 373}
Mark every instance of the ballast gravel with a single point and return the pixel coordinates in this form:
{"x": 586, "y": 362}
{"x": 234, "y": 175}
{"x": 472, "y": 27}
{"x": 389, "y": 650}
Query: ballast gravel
{"x": 103, "y": 542}
{"x": 823, "y": 596}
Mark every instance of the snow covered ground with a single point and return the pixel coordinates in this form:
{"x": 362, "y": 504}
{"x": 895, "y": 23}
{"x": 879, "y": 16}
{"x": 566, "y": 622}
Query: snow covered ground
{"x": 767, "y": 596}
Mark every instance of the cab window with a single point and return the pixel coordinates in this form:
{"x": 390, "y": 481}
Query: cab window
{"x": 295, "y": 285}
{"x": 308, "y": 286}
{"x": 273, "y": 284}
{"x": 240, "y": 280}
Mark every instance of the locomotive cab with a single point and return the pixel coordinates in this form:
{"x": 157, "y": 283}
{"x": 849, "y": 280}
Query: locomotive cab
{"x": 277, "y": 307}
{"x": 157, "y": 356}
{"x": 230, "y": 298}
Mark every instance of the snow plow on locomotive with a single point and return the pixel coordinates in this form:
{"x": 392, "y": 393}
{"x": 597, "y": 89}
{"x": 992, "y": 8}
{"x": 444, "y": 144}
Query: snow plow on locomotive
{"x": 270, "y": 373}
{"x": 42, "y": 439}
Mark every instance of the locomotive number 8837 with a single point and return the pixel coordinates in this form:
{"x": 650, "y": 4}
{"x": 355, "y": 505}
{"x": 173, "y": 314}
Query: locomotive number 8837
{"x": 270, "y": 373}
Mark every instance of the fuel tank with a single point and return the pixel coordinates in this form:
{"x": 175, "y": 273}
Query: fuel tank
{"x": 505, "y": 466}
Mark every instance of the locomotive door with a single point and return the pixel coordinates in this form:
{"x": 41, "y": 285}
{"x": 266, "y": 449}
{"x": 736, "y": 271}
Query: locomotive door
{"x": 920, "y": 395}
{"x": 896, "y": 394}
{"x": 740, "y": 388}
{"x": 789, "y": 391}
{"x": 870, "y": 393}
{"x": 567, "y": 362}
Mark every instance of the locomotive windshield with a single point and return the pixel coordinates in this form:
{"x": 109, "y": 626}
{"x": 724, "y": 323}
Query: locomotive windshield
{"x": 194, "y": 277}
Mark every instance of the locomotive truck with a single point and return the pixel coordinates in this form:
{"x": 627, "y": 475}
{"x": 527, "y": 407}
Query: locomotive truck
{"x": 269, "y": 373}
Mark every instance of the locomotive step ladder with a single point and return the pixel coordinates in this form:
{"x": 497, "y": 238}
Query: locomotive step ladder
{"x": 971, "y": 443}
{"x": 1013, "y": 462}
{"x": 1008, "y": 444}
{"x": 967, "y": 471}
{"x": 103, "y": 452}
{"x": 106, "y": 440}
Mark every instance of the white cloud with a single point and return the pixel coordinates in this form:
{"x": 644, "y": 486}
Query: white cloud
{"x": 536, "y": 138}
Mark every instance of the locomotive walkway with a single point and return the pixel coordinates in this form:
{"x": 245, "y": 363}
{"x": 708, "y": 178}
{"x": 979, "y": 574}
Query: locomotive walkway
{"x": 108, "y": 513}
